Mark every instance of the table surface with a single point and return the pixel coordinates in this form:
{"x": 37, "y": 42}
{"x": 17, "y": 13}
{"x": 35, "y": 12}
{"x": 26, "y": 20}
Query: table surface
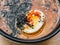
{"x": 53, "y": 41}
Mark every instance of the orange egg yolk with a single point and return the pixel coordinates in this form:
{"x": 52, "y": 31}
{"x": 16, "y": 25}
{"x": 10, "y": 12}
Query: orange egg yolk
{"x": 33, "y": 17}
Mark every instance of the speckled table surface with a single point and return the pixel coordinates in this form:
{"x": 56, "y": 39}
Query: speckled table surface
{"x": 53, "y": 41}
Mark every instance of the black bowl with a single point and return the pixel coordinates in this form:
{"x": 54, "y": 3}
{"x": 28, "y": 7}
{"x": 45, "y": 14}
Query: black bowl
{"x": 53, "y": 33}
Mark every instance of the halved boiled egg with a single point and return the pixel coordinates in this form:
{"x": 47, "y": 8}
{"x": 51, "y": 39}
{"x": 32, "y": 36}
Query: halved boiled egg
{"x": 36, "y": 19}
